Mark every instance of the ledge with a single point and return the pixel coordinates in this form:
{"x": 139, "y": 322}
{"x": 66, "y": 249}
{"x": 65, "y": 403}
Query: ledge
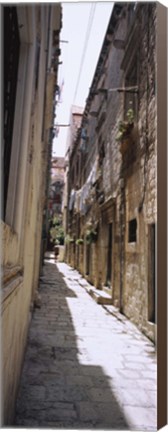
{"x": 110, "y": 201}
{"x": 100, "y": 296}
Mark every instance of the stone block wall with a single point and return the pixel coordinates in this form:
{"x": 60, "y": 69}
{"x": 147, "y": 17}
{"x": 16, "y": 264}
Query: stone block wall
{"x": 128, "y": 179}
{"x": 138, "y": 200}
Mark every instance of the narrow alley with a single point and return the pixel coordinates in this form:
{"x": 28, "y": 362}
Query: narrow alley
{"x": 84, "y": 367}
{"x": 84, "y": 217}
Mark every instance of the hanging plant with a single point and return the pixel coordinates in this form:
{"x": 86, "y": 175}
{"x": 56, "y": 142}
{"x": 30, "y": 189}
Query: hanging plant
{"x": 91, "y": 235}
{"x": 69, "y": 239}
{"x": 79, "y": 241}
{"x": 57, "y": 243}
{"x": 125, "y": 127}
{"x": 57, "y": 234}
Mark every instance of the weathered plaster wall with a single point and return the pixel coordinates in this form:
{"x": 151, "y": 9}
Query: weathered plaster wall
{"x": 14, "y": 327}
{"x": 21, "y": 241}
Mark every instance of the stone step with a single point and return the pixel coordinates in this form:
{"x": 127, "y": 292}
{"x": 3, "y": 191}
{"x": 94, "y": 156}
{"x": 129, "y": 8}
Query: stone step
{"x": 107, "y": 290}
{"x": 100, "y": 297}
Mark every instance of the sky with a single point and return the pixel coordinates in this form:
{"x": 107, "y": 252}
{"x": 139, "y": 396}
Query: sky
{"x": 83, "y": 30}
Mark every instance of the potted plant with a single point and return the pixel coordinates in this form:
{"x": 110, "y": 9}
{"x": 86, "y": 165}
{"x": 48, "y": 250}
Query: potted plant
{"x": 91, "y": 235}
{"x": 125, "y": 128}
{"x": 79, "y": 241}
{"x": 57, "y": 236}
{"x": 69, "y": 239}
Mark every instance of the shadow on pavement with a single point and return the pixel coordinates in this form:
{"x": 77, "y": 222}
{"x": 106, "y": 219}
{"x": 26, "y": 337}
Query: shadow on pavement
{"x": 56, "y": 390}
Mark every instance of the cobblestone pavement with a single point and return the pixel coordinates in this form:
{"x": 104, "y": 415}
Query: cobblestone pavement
{"x": 84, "y": 367}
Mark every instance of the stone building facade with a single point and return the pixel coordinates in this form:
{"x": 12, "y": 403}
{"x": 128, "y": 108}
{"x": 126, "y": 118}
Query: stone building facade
{"x": 74, "y": 128}
{"x": 56, "y": 189}
{"x": 31, "y": 58}
{"x": 55, "y": 201}
{"x": 112, "y": 200}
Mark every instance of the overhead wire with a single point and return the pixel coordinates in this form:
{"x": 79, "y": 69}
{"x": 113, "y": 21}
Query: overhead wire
{"x": 89, "y": 26}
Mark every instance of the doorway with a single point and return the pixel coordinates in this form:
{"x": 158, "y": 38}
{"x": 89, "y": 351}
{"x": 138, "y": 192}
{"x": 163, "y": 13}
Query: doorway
{"x": 151, "y": 273}
{"x": 88, "y": 259}
{"x": 109, "y": 256}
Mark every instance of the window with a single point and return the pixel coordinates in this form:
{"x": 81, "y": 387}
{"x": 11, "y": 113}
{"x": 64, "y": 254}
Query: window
{"x": 109, "y": 256}
{"x": 37, "y": 63}
{"x": 132, "y": 233}
{"x": 22, "y": 75}
{"x": 88, "y": 257}
{"x": 11, "y": 62}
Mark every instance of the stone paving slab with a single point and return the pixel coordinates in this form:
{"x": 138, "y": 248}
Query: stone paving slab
{"x": 85, "y": 366}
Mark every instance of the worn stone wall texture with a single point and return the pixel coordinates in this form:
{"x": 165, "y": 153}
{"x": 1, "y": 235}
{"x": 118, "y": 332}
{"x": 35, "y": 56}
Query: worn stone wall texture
{"x": 114, "y": 80}
{"x": 141, "y": 181}
{"x": 126, "y": 177}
